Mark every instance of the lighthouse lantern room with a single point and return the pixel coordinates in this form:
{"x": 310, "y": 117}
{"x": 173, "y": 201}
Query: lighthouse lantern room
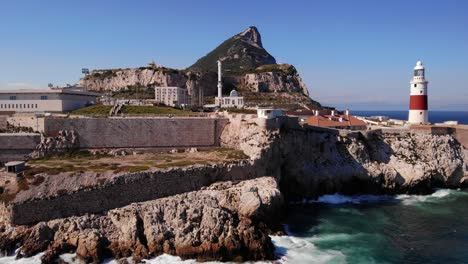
{"x": 418, "y": 113}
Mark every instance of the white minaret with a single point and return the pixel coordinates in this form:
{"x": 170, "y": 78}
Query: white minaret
{"x": 220, "y": 84}
{"x": 418, "y": 113}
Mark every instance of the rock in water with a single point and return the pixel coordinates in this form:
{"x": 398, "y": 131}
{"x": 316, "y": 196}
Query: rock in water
{"x": 225, "y": 221}
{"x": 243, "y": 51}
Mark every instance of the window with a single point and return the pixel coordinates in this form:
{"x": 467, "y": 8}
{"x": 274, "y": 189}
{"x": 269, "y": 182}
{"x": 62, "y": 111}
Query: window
{"x": 420, "y": 113}
{"x": 43, "y": 97}
{"x": 13, "y": 97}
{"x": 36, "y": 105}
{"x": 414, "y": 85}
{"x": 420, "y": 91}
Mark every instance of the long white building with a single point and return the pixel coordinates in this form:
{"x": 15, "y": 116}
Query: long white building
{"x": 56, "y": 100}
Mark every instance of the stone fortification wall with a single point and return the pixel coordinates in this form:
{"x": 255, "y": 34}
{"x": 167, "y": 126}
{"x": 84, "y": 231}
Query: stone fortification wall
{"x": 461, "y": 134}
{"x": 17, "y": 146}
{"x": 127, "y": 189}
{"x": 3, "y": 122}
{"x": 27, "y": 120}
{"x": 139, "y": 132}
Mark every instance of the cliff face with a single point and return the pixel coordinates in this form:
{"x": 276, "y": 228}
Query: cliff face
{"x": 311, "y": 162}
{"x": 121, "y": 79}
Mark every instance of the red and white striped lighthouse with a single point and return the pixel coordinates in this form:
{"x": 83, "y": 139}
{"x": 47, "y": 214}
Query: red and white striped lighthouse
{"x": 418, "y": 113}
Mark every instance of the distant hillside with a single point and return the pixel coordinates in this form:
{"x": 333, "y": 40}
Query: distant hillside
{"x": 247, "y": 67}
{"x": 241, "y": 52}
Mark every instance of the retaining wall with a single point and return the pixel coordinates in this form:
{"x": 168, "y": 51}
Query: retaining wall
{"x": 27, "y": 120}
{"x": 127, "y": 189}
{"x": 140, "y": 132}
{"x": 3, "y": 122}
{"x": 461, "y": 134}
{"x": 17, "y": 146}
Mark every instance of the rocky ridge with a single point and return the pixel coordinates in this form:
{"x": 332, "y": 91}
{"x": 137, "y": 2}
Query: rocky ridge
{"x": 243, "y": 51}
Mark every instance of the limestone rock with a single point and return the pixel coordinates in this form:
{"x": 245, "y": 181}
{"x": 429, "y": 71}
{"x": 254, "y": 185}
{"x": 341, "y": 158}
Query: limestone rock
{"x": 65, "y": 141}
{"x": 205, "y": 225}
{"x": 243, "y": 51}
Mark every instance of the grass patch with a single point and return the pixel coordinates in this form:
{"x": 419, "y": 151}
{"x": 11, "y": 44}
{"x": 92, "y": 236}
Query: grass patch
{"x": 232, "y": 154}
{"x": 132, "y": 109}
{"x": 93, "y": 110}
{"x": 182, "y": 163}
{"x": 135, "y": 168}
{"x": 239, "y": 110}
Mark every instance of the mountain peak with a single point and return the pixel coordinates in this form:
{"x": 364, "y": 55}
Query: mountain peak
{"x": 243, "y": 51}
{"x": 253, "y": 35}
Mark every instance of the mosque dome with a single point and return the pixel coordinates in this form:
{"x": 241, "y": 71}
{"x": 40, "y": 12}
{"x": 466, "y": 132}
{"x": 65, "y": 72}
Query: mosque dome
{"x": 233, "y": 94}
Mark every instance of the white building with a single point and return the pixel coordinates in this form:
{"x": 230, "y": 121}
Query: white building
{"x": 172, "y": 96}
{"x": 268, "y": 113}
{"x": 234, "y": 100}
{"x": 46, "y": 100}
{"x": 418, "y": 113}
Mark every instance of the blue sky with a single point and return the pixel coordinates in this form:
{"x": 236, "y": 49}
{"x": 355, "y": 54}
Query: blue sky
{"x": 357, "y": 54}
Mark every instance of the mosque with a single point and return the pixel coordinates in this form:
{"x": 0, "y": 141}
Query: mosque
{"x": 233, "y": 100}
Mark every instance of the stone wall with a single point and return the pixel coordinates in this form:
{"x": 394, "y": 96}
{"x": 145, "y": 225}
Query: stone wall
{"x": 17, "y": 146}
{"x": 3, "y": 122}
{"x": 461, "y": 134}
{"x": 127, "y": 189}
{"x": 27, "y": 120}
{"x": 149, "y": 132}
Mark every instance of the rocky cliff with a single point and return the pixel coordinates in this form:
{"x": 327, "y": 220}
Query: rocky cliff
{"x": 312, "y": 161}
{"x": 225, "y": 221}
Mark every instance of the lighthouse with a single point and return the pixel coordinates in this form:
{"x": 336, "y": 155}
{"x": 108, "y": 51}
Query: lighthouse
{"x": 418, "y": 113}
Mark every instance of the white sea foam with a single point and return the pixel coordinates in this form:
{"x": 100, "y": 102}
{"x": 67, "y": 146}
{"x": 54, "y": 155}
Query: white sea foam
{"x": 292, "y": 249}
{"x": 404, "y": 198}
{"x": 407, "y": 199}
{"x": 288, "y": 249}
{"x": 12, "y": 260}
{"x": 354, "y": 199}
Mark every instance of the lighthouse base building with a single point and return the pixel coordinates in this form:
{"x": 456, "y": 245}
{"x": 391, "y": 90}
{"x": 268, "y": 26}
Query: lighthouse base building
{"x": 418, "y": 107}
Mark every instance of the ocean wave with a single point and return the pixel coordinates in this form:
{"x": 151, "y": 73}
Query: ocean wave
{"x": 292, "y": 249}
{"x": 288, "y": 249}
{"x": 353, "y": 199}
{"x": 12, "y": 259}
{"x": 406, "y": 199}
{"x": 438, "y": 196}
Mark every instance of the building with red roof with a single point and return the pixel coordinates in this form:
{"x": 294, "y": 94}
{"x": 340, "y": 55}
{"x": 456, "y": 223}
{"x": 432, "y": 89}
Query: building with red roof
{"x": 337, "y": 121}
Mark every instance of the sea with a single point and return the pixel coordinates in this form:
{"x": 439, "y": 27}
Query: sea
{"x": 434, "y": 116}
{"x": 419, "y": 229}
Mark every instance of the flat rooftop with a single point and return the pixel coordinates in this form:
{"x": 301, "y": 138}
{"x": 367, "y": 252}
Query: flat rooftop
{"x": 49, "y": 91}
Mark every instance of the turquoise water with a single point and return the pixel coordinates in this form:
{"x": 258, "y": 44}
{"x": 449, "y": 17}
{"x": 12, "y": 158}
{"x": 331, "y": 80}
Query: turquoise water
{"x": 381, "y": 229}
